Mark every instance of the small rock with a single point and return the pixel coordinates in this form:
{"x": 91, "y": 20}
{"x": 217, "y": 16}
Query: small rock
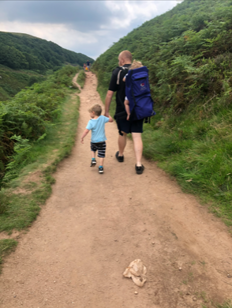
{"x": 229, "y": 276}
{"x": 194, "y": 299}
{"x": 153, "y": 243}
{"x": 180, "y": 268}
{"x": 136, "y": 293}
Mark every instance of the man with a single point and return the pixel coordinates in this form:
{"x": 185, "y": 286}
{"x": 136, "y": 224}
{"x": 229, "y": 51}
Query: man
{"x": 124, "y": 126}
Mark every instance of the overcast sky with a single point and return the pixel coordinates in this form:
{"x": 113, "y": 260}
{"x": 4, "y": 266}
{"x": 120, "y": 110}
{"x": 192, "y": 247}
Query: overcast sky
{"x": 89, "y": 27}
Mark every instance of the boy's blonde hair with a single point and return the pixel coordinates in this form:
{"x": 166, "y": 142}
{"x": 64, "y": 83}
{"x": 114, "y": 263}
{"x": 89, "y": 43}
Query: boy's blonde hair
{"x": 135, "y": 64}
{"x": 97, "y": 109}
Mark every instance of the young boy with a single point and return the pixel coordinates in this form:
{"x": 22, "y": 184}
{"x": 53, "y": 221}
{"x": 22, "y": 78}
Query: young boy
{"x": 97, "y": 126}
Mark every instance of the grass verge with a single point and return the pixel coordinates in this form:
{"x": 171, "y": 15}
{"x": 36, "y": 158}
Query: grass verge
{"x": 81, "y": 79}
{"x": 225, "y": 305}
{"x": 195, "y": 148}
{"x": 26, "y": 193}
{"x": 6, "y": 247}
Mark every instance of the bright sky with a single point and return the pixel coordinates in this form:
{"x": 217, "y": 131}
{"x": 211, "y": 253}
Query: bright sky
{"x": 89, "y": 27}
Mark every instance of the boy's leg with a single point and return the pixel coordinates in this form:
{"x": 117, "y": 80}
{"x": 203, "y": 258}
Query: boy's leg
{"x": 138, "y": 148}
{"x": 101, "y": 153}
{"x": 101, "y": 156}
{"x": 93, "y": 154}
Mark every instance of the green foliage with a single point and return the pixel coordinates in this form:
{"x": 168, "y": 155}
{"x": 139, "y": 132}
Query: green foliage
{"x": 188, "y": 53}
{"x": 81, "y": 79}
{"x": 12, "y": 81}
{"x": 22, "y": 51}
{"x": 23, "y": 199}
{"x": 3, "y": 202}
{"x": 26, "y": 118}
{"x": 6, "y": 246}
{"x": 21, "y": 150}
{"x": 225, "y": 305}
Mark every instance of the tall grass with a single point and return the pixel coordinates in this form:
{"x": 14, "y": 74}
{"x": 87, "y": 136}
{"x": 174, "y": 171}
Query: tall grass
{"x": 81, "y": 79}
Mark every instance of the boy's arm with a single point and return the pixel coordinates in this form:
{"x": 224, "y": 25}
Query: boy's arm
{"x": 127, "y": 107}
{"x": 84, "y": 134}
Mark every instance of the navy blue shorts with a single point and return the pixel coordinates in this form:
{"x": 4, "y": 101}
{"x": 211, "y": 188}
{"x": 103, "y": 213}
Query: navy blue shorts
{"x": 100, "y": 147}
{"x": 129, "y": 126}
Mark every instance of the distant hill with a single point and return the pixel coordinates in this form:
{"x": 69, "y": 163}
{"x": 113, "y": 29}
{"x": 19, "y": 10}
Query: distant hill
{"x": 23, "y": 51}
{"x": 12, "y": 81}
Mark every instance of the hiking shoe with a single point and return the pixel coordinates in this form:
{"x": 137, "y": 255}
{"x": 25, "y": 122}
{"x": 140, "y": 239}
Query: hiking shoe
{"x": 139, "y": 169}
{"x": 93, "y": 163}
{"x": 120, "y": 159}
{"x": 101, "y": 170}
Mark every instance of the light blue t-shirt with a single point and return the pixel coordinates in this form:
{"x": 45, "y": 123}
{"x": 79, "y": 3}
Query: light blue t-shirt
{"x": 97, "y": 126}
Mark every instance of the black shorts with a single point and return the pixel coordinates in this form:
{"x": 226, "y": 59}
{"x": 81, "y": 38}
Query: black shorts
{"x": 129, "y": 126}
{"x": 100, "y": 147}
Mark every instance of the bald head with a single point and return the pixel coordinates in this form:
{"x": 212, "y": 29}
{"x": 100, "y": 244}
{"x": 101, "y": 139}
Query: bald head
{"x": 125, "y": 57}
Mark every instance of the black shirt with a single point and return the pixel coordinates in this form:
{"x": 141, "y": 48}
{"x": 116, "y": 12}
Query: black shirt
{"x": 119, "y": 88}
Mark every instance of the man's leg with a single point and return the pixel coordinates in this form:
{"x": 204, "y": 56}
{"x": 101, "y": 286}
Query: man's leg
{"x": 138, "y": 147}
{"x": 122, "y": 143}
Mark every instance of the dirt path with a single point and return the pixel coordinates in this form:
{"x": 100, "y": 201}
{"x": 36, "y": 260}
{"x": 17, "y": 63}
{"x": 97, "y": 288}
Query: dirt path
{"x": 94, "y": 225}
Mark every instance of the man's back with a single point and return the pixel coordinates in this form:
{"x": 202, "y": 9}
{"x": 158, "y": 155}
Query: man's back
{"x": 118, "y": 85}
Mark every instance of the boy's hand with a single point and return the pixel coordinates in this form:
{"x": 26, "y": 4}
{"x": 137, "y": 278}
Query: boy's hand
{"x": 110, "y": 119}
{"x": 82, "y": 140}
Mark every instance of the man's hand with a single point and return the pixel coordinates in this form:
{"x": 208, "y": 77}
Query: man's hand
{"x": 108, "y": 99}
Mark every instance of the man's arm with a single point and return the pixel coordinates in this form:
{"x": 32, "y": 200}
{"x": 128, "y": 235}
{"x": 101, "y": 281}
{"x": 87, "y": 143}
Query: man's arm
{"x": 108, "y": 99}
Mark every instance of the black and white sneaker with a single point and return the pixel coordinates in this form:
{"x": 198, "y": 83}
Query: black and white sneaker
{"x": 101, "y": 170}
{"x": 93, "y": 163}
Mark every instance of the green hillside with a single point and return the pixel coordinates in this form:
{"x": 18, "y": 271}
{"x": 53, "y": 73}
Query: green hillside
{"x": 22, "y": 51}
{"x": 24, "y": 59}
{"x": 12, "y": 81}
{"x": 188, "y": 52}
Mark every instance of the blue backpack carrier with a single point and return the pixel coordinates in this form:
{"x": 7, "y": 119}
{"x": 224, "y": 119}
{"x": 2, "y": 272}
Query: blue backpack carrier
{"x": 138, "y": 94}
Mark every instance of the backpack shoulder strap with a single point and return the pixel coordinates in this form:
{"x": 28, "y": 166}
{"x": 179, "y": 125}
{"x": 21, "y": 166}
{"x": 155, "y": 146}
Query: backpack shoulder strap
{"x": 121, "y": 68}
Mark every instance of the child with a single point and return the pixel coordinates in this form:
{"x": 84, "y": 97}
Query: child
{"x": 135, "y": 64}
{"x": 97, "y": 125}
